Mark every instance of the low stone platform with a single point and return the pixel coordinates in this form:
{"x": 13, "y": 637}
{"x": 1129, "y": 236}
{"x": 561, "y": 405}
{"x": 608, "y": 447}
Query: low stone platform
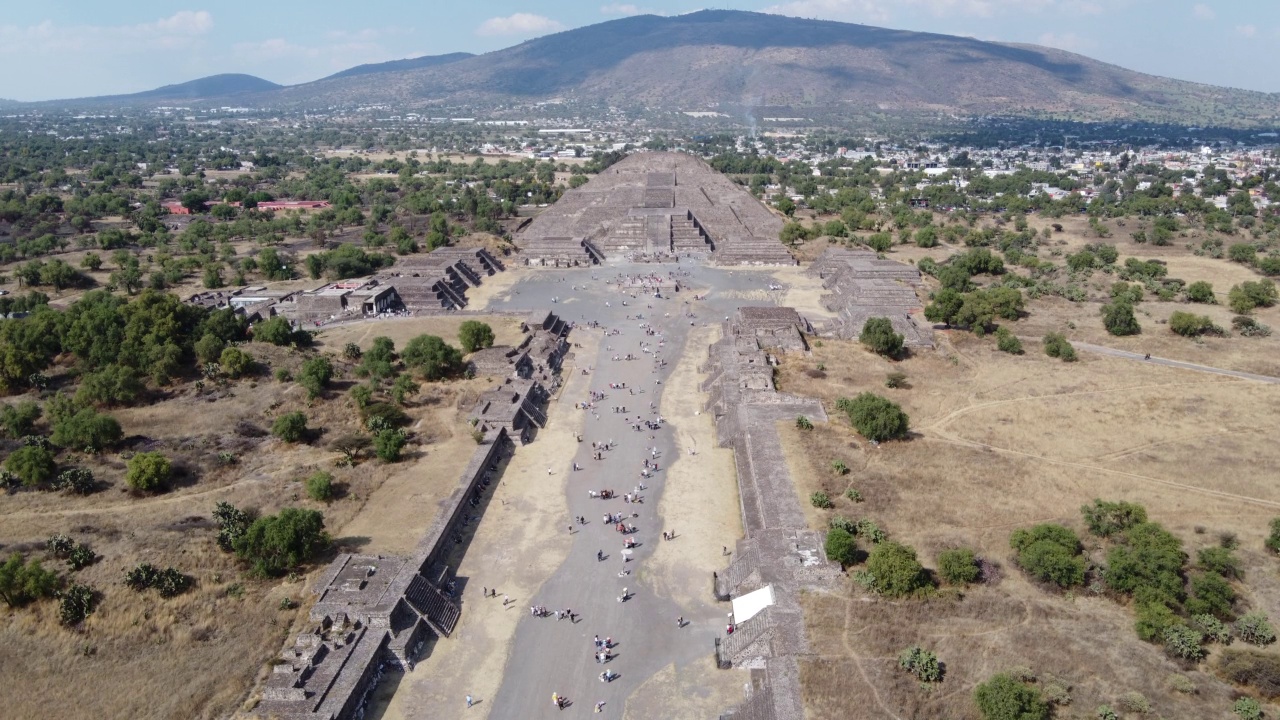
{"x": 861, "y": 286}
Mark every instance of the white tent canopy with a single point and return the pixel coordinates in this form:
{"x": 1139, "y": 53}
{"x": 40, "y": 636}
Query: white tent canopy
{"x": 750, "y": 605}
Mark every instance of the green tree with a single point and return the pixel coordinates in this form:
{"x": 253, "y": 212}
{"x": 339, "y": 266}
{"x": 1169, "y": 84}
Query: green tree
{"x": 21, "y": 581}
{"x": 896, "y": 570}
{"x": 232, "y": 524}
{"x": 1004, "y": 697}
{"x": 958, "y": 566}
{"x": 388, "y": 444}
{"x": 209, "y": 348}
{"x": 1149, "y": 560}
{"x": 878, "y": 336}
{"x": 1243, "y": 253}
{"x": 213, "y": 277}
{"x": 1246, "y": 296}
{"x": 1118, "y": 319}
{"x": 1050, "y": 553}
{"x": 278, "y": 331}
{"x": 841, "y": 547}
{"x": 111, "y": 386}
{"x": 86, "y": 429}
{"x": 1190, "y": 325}
{"x": 1006, "y": 341}
{"x": 148, "y": 472}
{"x": 1056, "y": 346}
{"x": 235, "y": 362}
{"x": 320, "y": 487}
{"x": 1211, "y": 594}
{"x": 785, "y": 205}
{"x": 20, "y": 419}
{"x": 874, "y": 417}
{"x": 474, "y": 335}
{"x": 1201, "y": 292}
{"x": 290, "y": 427}
{"x": 432, "y": 357}
{"x": 315, "y": 376}
{"x": 33, "y": 464}
{"x": 945, "y": 306}
{"x": 277, "y": 543}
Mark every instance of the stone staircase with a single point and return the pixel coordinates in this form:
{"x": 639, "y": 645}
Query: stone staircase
{"x": 629, "y": 235}
{"x": 439, "y": 611}
{"x": 751, "y": 250}
{"x": 744, "y": 565}
{"x": 687, "y": 236}
{"x": 759, "y": 706}
{"x": 734, "y": 648}
{"x": 560, "y": 252}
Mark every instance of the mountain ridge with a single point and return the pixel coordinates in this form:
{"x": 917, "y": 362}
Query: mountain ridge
{"x": 732, "y": 58}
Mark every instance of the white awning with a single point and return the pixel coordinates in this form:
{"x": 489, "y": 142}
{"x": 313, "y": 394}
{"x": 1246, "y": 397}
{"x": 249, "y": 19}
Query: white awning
{"x": 750, "y": 605}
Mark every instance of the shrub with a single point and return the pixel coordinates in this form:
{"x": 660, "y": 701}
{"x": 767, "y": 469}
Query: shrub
{"x": 1248, "y": 327}
{"x": 841, "y": 547}
{"x": 1189, "y": 325}
{"x": 1105, "y": 519}
{"x": 1104, "y": 712}
{"x": 232, "y": 524}
{"x": 1150, "y": 559}
{"x": 1246, "y": 296}
{"x": 1050, "y": 553}
{"x": 1006, "y": 341}
{"x": 874, "y": 417}
{"x": 853, "y": 495}
{"x": 1251, "y": 668}
{"x": 1134, "y": 702}
{"x": 958, "y": 566}
{"x": 1056, "y": 346}
{"x": 290, "y": 427}
{"x": 320, "y": 487}
{"x": 895, "y": 380}
{"x": 315, "y": 376}
{"x": 278, "y": 331}
{"x": 1152, "y": 618}
{"x": 1214, "y": 629}
{"x": 209, "y": 347}
{"x": 276, "y": 543}
{"x": 896, "y": 570}
{"x": 1002, "y": 697}
{"x": 403, "y": 387}
{"x": 148, "y": 472}
{"x": 87, "y": 430}
{"x": 76, "y": 604}
{"x": 33, "y": 464}
{"x": 839, "y": 468}
{"x": 1273, "y": 540}
{"x": 1246, "y": 708}
{"x": 803, "y": 423}
{"x": 361, "y": 394}
{"x": 1255, "y": 629}
{"x": 1182, "y": 684}
{"x": 921, "y": 663}
{"x": 1118, "y": 318}
{"x": 21, "y": 581}
{"x": 878, "y": 336}
{"x": 81, "y": 556}
{"x": 870, "y": 531}
{"x": 880, "y": 242}
{"x": 821, "y": 500}
{"x": 351, "y": 351}
{"x": 474, "y": 335}
{"x": 1183, "y": 642}
{"x": 1201, "y": 292}
{"x": 19, "y": 420}
{"x": 1243, "y": 253}
{"x": 169, "y": 582}
{"x": 388, "y": 444}
{"x": 1219, "y": 560}
{"x": 432, "y": 357}
{"x": 235, "y": 362}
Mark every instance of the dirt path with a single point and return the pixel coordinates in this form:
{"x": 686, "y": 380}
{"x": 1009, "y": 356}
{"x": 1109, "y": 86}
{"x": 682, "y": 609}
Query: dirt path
{"x": 1113, "y": 352}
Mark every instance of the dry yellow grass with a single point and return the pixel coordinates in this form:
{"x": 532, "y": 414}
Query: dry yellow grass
{"x": 1002, "y": 442}
{"x": 211, "y": 642}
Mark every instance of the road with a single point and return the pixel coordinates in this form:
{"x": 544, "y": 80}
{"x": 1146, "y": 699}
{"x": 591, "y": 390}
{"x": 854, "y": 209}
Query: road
{"x": 1113, "y": 352}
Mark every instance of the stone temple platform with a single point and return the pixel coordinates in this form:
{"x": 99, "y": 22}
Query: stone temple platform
{"x": 655, "y": 206}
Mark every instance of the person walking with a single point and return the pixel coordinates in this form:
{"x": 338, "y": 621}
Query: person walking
{"x": 469, "y": 701}
{"x": 680, "y": 621}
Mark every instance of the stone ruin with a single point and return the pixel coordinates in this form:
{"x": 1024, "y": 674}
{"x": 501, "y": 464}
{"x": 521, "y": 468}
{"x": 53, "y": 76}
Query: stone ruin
{"x": 539, "y": 354}
{"x": 779, "y": 551}
{"x": 655, "y": 206}
{"x": 861, "y": 285}
{"x": 379, "y": 610}
{"x": 439, "y": 280}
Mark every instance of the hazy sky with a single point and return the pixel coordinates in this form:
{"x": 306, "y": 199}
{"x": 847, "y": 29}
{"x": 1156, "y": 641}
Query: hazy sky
{"x": 73, "y": 48}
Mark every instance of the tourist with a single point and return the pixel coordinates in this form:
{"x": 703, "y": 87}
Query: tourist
{"x": 469, "y": 701}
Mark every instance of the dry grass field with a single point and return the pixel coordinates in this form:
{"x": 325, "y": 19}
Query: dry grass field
{"x": 1001, "y": 442}
{"x": 197, "y": 655}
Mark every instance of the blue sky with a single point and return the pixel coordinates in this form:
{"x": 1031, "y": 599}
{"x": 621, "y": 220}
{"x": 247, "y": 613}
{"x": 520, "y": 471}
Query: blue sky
{"x": 73, "y": 48}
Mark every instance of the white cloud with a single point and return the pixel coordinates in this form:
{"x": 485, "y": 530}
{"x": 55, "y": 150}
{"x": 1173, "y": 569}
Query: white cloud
{"x": 1247, "y": 30}
{"x": 1066, "y": 41}
{"x": 1203, "y": 12}
{"x": 519, "y": 24}
{"x": 620, "y": 9}
{"x": 340, "y": 50}
{"x": 176, "y": 31}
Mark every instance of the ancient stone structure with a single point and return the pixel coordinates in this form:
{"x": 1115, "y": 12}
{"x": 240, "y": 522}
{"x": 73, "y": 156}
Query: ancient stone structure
{"x": 375, "y": 610}
{"x": 351, "y": 299}
{"x": 779, "y": 551}
{"x": 654, "y": 206}
{"x": 539, "y": 353}
{"x": 864, "y": 286}
{"x": 439, "y": 280}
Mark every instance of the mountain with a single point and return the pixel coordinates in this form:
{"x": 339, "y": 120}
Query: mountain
{"x": 206, "y": 88}
{"x": 746, "y": 59}
{"x": 398, "y": 65}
